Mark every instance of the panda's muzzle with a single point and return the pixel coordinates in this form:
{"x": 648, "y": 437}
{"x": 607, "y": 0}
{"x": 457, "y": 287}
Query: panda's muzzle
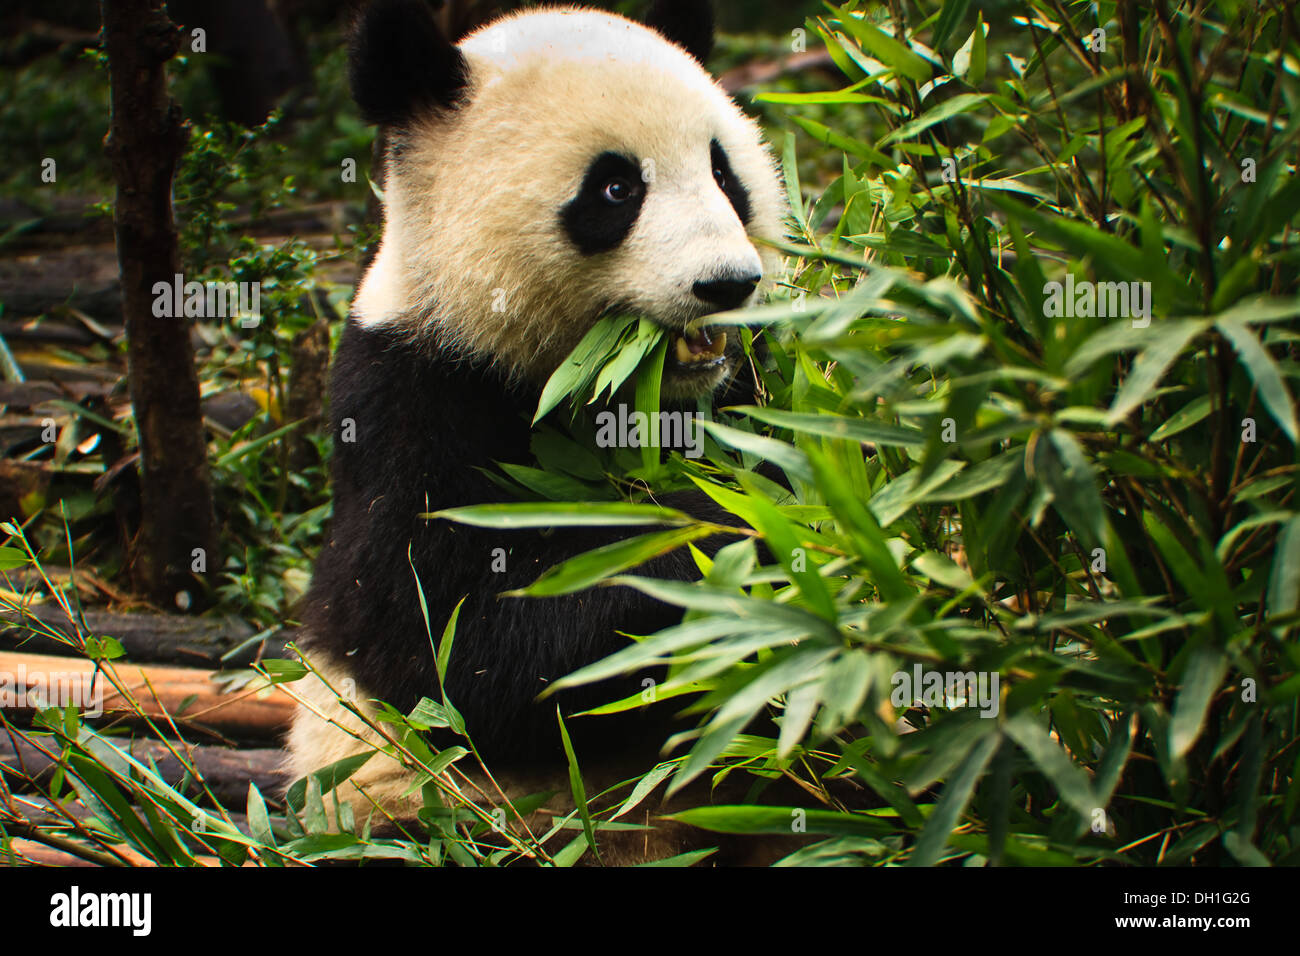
{"x": 702, "y": 348}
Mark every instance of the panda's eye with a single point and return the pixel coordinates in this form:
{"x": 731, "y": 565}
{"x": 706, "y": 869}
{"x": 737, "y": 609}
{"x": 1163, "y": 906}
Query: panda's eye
{"x": 617, "y": 191}
{"x": 720, "y": 178}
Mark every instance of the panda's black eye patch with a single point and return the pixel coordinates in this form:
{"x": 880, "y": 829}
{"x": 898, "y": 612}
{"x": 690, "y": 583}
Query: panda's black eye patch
{"x": 606, "y": 207}
{"x": 729, "y": 182}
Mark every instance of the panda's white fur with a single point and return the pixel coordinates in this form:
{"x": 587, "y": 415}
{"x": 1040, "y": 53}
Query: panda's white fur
{"x": 488, "y": 262}
{"x": 325, "y": 732}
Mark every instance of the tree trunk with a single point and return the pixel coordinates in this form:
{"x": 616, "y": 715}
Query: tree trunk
{"x": 308, "y": 379}
{"x": 145, "y": 141}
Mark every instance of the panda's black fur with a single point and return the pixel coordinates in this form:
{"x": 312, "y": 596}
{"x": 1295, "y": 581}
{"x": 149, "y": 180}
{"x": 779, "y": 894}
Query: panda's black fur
{"x": 400, "y": 36}
{"x": 425, "y": 423}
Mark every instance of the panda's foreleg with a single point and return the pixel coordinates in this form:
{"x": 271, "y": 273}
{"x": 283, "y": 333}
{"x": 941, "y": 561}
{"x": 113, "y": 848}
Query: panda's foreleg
{"x": 324, "y": 732}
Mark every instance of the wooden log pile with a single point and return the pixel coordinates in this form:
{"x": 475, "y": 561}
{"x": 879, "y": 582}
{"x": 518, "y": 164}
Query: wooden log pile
{"x": 228, "y": 738}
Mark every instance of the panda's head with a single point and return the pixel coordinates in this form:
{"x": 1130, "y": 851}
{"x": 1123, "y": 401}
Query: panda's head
{"x": 555, "y": 166}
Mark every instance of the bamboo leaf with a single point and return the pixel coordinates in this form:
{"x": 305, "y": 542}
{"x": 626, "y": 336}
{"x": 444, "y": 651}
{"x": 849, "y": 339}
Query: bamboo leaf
{"x": 949, "y": 17}
{"x": 325, "y": 779}
{"x": 554, "y": 514}
{"x": 956, "y": 795}
{"x": 591, "y": 567}
{"x": 780, "y": 820}
{"x": 1284, "y": 582}
{"x": 443, "y": 651}
{"x": 860, "y": 524}
{"x": 838, "y": 426}
{"x": 1069, "y": 779}
{"x": 1060, "y": 463}
{"x": 1190, "y": 414}
{"x": 1265, "y": 373}
{"x": 944, "y": 111}
{"x": 1168, "y": 340}
{"x": 1202, "y": 678}
{"x": 649, "y": 378}
{"x": 575, "y": 782}
{"x": 259, "y": 822}
{"x": 884, "y": 47}
{"x": 584, "y": 363}
{"x": 243, "y": 449}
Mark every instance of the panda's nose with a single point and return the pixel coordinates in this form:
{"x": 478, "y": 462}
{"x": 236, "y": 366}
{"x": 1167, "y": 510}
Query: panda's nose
{"x": 726, "y": 293}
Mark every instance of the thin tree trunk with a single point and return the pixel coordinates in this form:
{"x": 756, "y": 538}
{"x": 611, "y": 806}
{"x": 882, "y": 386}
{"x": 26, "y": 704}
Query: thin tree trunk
{"x": 308, "y": 379}
{"x": 145, "y": 141}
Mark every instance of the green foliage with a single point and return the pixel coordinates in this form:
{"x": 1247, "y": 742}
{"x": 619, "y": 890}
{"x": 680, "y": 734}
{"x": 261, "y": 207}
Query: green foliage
{"x": 610, "y": 353}
{"x": 272, "y": 514}
{"x": 226, "y": 166}
{"x": 40, "y": 118}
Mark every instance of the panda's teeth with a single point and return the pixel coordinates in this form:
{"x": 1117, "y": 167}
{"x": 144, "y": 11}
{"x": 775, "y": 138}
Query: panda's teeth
{"x": 701, "y": 350}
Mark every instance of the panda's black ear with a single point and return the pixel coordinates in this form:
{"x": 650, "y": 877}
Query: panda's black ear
{"x": 400, "y": 64}
{"x": 688, "y": 23}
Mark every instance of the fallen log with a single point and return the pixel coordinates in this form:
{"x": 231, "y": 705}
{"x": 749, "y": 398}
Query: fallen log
{"x": 29, "y": 851}
{"x": 31, "y": 394}
{"x": 147, "y": 638}
{"x": 49, "y": 333}
{"x": 187, "y": 695}
{"x": 84, "y": 277}
{"x": 226, "y": 772}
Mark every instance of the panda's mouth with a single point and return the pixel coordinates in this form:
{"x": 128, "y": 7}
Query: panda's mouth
{"x": 700, "y": 349}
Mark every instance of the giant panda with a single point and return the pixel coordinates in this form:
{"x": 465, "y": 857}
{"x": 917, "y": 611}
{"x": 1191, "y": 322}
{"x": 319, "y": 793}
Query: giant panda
{"x": 517, "y": 211}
